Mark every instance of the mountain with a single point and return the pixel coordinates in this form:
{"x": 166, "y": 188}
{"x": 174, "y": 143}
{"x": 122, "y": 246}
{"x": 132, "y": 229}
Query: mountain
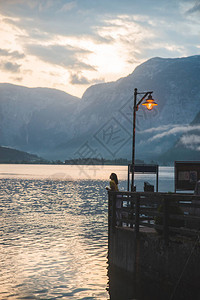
{"x": 15, "y": 156}
{"x": 105, "y": 112}
{"x": 35, "y": 119}
{"x": 56, "y": 125}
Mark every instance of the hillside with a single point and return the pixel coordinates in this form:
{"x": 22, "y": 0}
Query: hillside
{"x": 15, "y": 156}
{"x": 56, "y": 125}
{"x": 35, "y": 119}
{"x": 106, "y": 109}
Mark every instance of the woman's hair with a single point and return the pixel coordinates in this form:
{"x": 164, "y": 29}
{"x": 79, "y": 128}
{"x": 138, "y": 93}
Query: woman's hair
{"x": 113, "y": 176}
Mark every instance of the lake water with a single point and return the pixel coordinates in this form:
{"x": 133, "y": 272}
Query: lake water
{"x": 53, "y": 234}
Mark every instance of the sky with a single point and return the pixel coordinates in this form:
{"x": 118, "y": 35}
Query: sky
{"x": 71, "y": 45}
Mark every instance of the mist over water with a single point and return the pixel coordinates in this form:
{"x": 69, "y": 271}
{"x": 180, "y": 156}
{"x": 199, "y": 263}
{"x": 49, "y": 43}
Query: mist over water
{"x": 53, "y": 235}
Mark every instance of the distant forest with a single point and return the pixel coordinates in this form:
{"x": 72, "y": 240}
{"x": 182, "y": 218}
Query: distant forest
{"x": 102, "y": 161}
{"x": 13, "y": 156}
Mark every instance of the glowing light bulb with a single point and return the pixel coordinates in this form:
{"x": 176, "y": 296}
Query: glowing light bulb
{"x": 149, "y": 103}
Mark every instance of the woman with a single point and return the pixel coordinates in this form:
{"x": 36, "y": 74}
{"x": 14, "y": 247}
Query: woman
{"x": 118, "y": 203}
{"x": 113, "y": 183}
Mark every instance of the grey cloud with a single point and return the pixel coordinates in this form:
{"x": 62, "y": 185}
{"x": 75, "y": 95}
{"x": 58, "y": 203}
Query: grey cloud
{"x": 64, "y": 56}
{"x": 10, "y": 67}
{"x": 36, "y": 34}
{"x": 68, "y": 6}
{"x": 194, "y": 9}
{"x": 82, "y": 66}
{"x": 53, "y": 19}
{"x": 17, "y": 78}
{"x": 13, "y": 54}
{"x": 79, "y": 79}
{"x": 43, "y": 20}
{"x": 56, "y": 17}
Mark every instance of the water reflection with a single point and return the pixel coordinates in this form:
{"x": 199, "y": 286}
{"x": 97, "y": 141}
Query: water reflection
{"x": 53, "y": 240}
{"x": 53, "y": 234}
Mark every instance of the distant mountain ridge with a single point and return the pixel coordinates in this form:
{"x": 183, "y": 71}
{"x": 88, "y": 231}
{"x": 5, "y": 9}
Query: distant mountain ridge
{"x": 8, "y": 155}
{"x": 35, "y": 119}
{"x": 175, "y": 84}
{"x": 56, "y": 125}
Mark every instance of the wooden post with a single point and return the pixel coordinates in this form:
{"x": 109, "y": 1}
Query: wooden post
{"x": 113, "y": 212}
{"x": 166, "y": 221}
{"x": 137, "y": 239}
{"x": 128, "y": 183}
{"x": 157, "y": 178}
{"x": 132, "y": 206}
{"x": 137, "y": 216}
{"x": 109, "y": 216}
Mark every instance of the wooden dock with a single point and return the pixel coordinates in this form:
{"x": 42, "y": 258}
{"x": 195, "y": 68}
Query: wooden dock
{"x": 156, "y": 234}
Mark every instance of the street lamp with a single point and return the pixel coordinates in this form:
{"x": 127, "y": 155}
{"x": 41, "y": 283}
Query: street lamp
{"x": 149, "y": 103}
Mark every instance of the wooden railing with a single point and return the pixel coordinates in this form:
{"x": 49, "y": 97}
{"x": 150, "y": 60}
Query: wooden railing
{"x": 167, "y": 213}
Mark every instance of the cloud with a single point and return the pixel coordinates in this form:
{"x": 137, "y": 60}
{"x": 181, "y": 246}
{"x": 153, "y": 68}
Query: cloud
{"x": 161, "y": 128}
{"x": 10, "y": 67}
{"x": 64, "y": 56}
{"x": 19, "y": 7}
{"x": 56, "y": 17}
{"x": 190, "y": 141}
{"x": 19, "y": 79}
{"x": 51, "y": 17}
{"x": 194, "y": 9}
{"x": 107, "y": 37}
{"x": 178, "y": 129}
{"x": 13, "y": 54}
{"x": 80, "y": 79}
{"x": 68, "y": 6}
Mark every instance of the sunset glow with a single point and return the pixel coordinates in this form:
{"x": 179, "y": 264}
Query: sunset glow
{"x": 72, "y": 45}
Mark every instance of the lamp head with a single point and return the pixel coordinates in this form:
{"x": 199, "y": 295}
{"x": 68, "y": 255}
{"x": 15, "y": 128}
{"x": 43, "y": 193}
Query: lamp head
{"x": 150, "y": 102}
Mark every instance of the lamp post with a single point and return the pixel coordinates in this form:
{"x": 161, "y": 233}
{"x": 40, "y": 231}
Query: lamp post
{"x": 149, "y": 103}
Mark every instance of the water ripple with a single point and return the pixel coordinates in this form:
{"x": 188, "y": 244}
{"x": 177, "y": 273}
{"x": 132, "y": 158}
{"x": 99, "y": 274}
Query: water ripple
{"x": 53, "y": 240}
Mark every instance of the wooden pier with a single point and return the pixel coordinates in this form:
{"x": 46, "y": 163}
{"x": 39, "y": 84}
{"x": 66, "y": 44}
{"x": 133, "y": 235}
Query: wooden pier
{"x": 156, "y": 234}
